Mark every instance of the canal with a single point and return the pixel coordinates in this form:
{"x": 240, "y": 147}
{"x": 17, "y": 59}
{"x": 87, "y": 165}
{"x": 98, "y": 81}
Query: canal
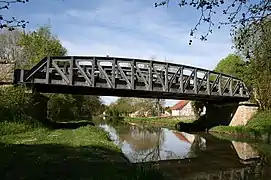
{"x": 182, "y": 155}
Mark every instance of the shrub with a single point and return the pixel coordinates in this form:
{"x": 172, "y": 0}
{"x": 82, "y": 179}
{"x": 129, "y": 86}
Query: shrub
{"x": 61, "y": 107}
{"x": 14, "y": 103}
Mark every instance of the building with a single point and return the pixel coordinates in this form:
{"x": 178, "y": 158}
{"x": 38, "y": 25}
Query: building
{"x": 182, "y": 108}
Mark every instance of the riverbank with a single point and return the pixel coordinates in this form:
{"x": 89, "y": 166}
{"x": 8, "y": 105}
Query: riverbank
{"x": 35, "y": 152}
{"x": 257, "y": 129}
{"x": 168, "y": 122}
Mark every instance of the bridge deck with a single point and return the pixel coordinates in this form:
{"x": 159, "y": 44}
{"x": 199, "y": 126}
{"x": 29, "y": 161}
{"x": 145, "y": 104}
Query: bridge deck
{"x": 111, "y": 76}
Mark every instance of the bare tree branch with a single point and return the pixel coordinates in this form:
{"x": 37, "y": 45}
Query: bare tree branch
{"x": 240, "y": 13}
{"x": 12, "y": 23}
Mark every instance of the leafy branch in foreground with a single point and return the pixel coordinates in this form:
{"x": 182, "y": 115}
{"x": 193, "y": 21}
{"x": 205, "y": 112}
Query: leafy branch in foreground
{"x": 12, "y": 23}
{"x": 239, "y": 13}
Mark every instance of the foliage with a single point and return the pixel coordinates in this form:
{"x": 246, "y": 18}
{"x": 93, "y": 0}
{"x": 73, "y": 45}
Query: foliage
{"x": 198, "y": 107}
{"x": 257, "y": 50}
{"x": 64, "y": 107}
{"x": 14, "y": 103}
{"x": 25, "y": 49}
{"x": 123, "y": 105}
{"x": 10, "y": 51}
{"x": 88, "y": 105}
{"x": 12, "y": 23}
{"x": 259, "y": 123}
{"x": 39, "y": 44}
{"x": 61, "y": 107}
{"x": 238, "y": 13}
{"x": 168, "y": 109}
{"x": 142, "y": 106}
{"x": 157, "y": 122}
{"x": 232, "y": 65}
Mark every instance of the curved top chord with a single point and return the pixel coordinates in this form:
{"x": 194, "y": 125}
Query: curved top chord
{"x": 130, "y": 77}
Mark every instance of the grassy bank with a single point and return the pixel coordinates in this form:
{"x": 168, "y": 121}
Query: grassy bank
{"x": 29, "y": 152}
{"x": 168, "y": 122}
{"x": 258, "y": 128}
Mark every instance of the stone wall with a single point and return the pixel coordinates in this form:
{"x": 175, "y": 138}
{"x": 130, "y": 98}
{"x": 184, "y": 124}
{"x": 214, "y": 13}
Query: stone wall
{"x": 243, "y": 114}
{"x": 245, "y": 151}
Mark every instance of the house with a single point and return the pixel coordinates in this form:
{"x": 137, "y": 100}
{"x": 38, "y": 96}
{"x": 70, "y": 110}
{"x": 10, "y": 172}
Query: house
{"x": 182, "y": 108}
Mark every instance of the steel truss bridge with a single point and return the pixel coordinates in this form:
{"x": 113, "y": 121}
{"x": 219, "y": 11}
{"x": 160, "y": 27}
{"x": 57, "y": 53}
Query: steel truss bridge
{"x": 124, "y": 77}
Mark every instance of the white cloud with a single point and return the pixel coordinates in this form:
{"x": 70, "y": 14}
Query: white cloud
{"x": 136, "y": 29}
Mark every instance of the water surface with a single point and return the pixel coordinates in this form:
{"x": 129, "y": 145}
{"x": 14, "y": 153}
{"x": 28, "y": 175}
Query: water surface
{"x": 191, "y": 156}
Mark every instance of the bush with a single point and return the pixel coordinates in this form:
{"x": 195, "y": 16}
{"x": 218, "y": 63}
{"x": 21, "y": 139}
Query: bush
{"x": 61, "y": 107}
{"x": 66, "y": 107}
{"x": 261, "y": 121}
{"x": 18, "y": 105}
{"x": 14, "y": 103}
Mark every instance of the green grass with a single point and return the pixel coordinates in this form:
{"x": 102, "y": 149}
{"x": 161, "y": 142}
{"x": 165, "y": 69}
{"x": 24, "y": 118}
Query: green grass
{"x": 9, "y": 128}
{"x": 256, "y": 128}
{"x": 168, "y": 122}
{"x": 83, "y": 153}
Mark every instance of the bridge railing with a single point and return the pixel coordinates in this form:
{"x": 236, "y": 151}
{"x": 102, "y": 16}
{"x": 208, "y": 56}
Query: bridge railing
{"x": 132, "y": 74}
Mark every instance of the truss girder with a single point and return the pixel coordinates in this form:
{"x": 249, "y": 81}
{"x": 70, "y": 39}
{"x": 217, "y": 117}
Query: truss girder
{"x": 133, "y": 74}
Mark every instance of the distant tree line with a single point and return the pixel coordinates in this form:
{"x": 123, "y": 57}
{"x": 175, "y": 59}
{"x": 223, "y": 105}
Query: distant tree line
{"x": 140, "y": 106}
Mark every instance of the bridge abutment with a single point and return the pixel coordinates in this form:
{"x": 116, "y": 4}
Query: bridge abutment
{"x": 220, "y": 113}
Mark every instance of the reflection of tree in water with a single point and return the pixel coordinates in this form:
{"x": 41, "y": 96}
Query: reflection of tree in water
{"x": 197, "y": 146}
{"x": 146, "y": 143}
{"x": 261, "y": 170}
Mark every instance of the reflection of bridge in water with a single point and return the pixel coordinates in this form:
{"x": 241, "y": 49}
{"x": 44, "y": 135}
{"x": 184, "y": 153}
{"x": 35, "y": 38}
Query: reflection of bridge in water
{"x": 232, "y": 174}
{"x": 186, "y": 156}
{"x": 219, "y": 159}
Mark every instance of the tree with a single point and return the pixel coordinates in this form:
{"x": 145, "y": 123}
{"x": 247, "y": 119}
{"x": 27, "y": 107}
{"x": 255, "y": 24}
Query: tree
{"x": 39, "y": 44}
{"x": 11, "y": 54}
{"x": 232, "y": 65}
{"x": 123, "y": 105}
{"x": 12, "y": 23}
{"x": 88, "y": 106}
{"x": 257, "y": 51}
{"x": 242, "y": 13}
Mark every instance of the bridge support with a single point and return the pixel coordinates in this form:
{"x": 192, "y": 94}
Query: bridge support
{"x": 217, "y": 113}
{"x": 38, "y": 109}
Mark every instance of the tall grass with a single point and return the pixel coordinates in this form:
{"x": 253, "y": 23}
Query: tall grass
{"x": 259, "y": 123}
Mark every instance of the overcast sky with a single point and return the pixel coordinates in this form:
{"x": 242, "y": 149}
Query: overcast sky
{"x": 126, "y": 28}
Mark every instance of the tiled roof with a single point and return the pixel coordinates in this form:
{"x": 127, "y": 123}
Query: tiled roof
{"x": 181, "y": 137}
{"x": 180, "y": 105}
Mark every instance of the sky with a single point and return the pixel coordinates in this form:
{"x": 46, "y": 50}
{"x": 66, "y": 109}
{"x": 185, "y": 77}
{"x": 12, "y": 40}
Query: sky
{"x": 127, "y": 28}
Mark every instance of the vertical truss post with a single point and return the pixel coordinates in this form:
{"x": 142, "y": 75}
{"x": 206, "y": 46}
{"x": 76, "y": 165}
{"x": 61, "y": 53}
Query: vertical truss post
{"x": 195, "y": 81}
{"x": 181, "y": 79}
{"x": 230, "y": 89}
{"x": 72, "y": 62}
{"x": 150, "y": 75}
{"x": 133, "y": 74}
{"x": 208, "y": 83}
{"x": 22, "y": 75}
{"x": 241, "y": 89}
{"x": 93, "y": 71}
{"x": 166, "y": 78}
{"x": 48, "y": 65}
{"x": 114, "y": 62}
{"x": 219, "y": 84}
